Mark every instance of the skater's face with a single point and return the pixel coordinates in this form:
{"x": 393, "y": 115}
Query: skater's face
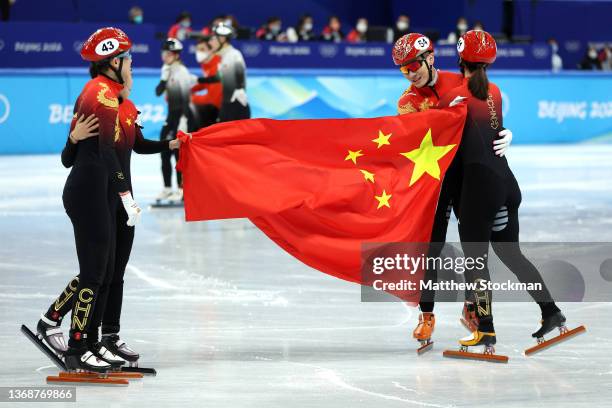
{"x": 418, "y": 76}
{"x": 168, "y": 57}
{"x": 126, "y": 68}
{"x": 214, "y": 43}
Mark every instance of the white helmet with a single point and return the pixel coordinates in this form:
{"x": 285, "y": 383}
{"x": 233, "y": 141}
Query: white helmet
{"x": 172, "y": 44}
{"x": 223, "y": 30}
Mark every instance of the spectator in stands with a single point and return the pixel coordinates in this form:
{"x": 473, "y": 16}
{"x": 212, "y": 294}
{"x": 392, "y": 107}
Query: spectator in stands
{"x": 182, "y": 27}
{"x": 303, "y": 31}
{"x": 136, "y": 15}
{"x": 462, "y": 27}
{"x": 590, "y": 60}
{"x": 5, "y": 8}
{"x": 402, "y": 27}
{"x": 272, "y": 31}
{"x": 360, "y": 33}
{"x": 332, "y": 31}
{"x": 478, "y": 26}
{"x": 605, "y": 58}
{"x": 555, "y": 59}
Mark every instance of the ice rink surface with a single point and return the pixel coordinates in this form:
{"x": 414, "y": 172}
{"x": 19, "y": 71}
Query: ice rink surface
{"x": 230, "y": 320}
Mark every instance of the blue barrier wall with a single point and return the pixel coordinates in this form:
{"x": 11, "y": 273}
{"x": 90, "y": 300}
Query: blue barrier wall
{"x": 36, "y": 106}
{"x": 37, "y": 45}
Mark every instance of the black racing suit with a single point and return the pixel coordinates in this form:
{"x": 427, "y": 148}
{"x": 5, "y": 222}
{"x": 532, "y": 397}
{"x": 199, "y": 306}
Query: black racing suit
{"x": 112, "y": 222}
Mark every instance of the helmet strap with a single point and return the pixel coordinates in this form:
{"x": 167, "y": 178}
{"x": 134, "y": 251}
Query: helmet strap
{"x": 117, "y": 71}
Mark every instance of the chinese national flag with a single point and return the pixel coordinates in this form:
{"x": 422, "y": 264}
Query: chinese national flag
{"x": 322, "y": 188}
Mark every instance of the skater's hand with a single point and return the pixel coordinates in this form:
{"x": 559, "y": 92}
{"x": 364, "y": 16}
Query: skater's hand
{"x": 165, "y": 72}
{"x": 131, "y": 208}
{"x": 240, "y": 96}
{"x": 84, "y": 128}
{"x": 175, "y": 144}
{"x": 501, "y": 145}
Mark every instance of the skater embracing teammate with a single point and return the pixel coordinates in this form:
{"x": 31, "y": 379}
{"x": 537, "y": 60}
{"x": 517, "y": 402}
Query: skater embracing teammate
{"x": 489, "y": 194}
{"x": 98, "y": 199}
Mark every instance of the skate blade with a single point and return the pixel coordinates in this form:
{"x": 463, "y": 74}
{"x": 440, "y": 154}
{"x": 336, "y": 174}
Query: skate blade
{"x": 142, "y": 370}
{"x": 43, "y": 347}
{"x": 493, "y": 358}
{"x": 85, "y": 379}
{"x": 425, "y": 348}
{"x": 468, "y": 325}
{"x": 555, "y": 340}
{"x": 167, "y": 204}
{"x": 111, "y": 374}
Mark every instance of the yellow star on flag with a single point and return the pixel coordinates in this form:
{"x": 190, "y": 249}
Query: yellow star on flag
{"x": 128, "y": 121}
{"x": 382, "y": 139}
{"x": 426, "y": 158}
{"x": 383, "y": 200}
{"x": 367, "y": 175}
{"x": 353, "y": 156}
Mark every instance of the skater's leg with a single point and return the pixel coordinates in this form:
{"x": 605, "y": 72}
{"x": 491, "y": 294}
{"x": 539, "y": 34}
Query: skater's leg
{"x": 63, "y": 304}
{"x": 125, "y": 239}
{"x": 168, "y": 132}
{"x": 179, "y": 176}
{"x": 505, "y": 243}
{"x": 480, "y": 199}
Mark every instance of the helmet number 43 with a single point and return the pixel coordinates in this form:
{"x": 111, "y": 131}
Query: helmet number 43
{"x": 107, "y": 46}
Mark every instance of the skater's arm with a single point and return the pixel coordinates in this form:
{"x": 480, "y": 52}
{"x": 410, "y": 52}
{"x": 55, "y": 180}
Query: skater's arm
{"x": 110, "y": 131}
{"x": 80, "y": 129}
{"x": 146, "y": 146}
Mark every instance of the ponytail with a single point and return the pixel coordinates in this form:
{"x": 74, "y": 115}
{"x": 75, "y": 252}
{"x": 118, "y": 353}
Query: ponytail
{"x": 478, "y": 83}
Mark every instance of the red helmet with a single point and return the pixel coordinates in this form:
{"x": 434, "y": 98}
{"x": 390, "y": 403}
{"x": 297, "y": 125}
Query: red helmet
{"x": 410, "y": 46}
{"x": 477, "y": 46}
{"x": 105, "y": 43}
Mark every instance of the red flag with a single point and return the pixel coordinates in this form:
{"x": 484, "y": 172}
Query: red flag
{"x": 321, "y": 188}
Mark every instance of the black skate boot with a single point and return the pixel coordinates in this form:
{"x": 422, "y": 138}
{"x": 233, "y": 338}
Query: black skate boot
{"x": 118, "y": 347}
{"x": 81, "y": 359}
{"x": 51, "y": 333}
{"x": 100, "y": 351}
{"x": 550, "y": 323}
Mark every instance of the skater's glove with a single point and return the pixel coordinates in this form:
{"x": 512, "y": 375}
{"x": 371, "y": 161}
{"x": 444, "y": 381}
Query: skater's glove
{"x": 165, "y": 72}
{"x": 240, "y": 96}
{"x": 502, "y": 144}
{"x": 131, "y": 208}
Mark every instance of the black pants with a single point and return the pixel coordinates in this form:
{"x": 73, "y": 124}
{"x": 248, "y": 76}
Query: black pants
{"x": 92, "y": 216}
{"x": 234, "y": 111}
{"x": 168, "y": 132}
{"x": 205, "y": 115}
{"x": 110, "y": 297}
{"x": 488, "y": 212}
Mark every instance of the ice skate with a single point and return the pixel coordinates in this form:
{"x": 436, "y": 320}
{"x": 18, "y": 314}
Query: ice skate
{"x": 104, "y": 354}
{"x": 469, "y": 319}
{"x": 83, "y": 366}
{"x": 119, "y": 347}
{"x": 51, "y": 333}
{"x": 555, "y": 321}
{"x": 43, "y": 347}
{"x": 422, "y": 333}
{"x": 477, "y": 338}
{"x": 164, "y": 195}
{"x": 176, "y": 197}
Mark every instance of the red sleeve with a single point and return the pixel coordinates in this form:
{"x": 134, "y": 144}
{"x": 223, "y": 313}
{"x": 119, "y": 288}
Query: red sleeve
{"x": 109, "y": 130}
{"x": 448, "y": 97}
{"x": 173, "y": 31}
{"x": 352, "y": 36}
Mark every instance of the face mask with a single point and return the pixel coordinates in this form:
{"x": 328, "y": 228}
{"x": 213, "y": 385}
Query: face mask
{"x": 462, "y": 27}
{"x": 592, "y": 54}
{"x": 275, "y": 29}
{"x": 362, "y": 27}
{"x": 228, "y": 23}
{"x": 402, "y": 25}
{"x": 307, "y": 26}
{"x": 186, "y": 23}
{"x": 138, "y": 19}
{"x": 201, "y": 56}
{"x": 554, "y": 48}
